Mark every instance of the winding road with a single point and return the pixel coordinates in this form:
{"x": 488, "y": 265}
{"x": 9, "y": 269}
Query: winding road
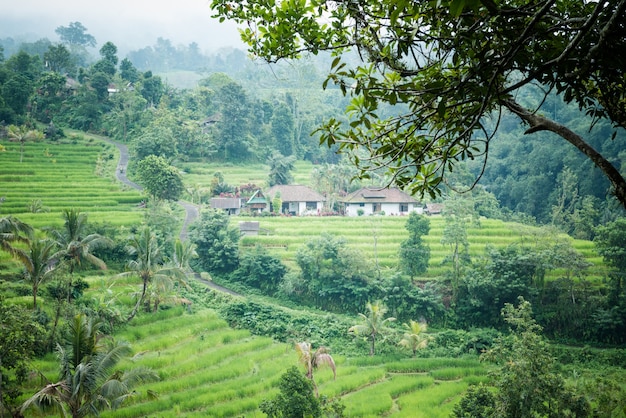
{"x": 191, "y": 211}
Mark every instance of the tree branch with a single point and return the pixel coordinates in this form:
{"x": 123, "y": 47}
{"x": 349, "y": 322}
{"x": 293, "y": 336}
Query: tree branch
{"x": 539, "y": 123}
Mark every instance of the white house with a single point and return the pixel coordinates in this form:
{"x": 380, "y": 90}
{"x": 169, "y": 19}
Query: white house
{"x": 380, "y": 200}
{"x": 297, "y": 200}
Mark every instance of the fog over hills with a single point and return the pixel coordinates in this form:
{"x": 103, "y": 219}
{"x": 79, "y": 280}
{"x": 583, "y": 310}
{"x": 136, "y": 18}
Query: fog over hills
{"x": 129, "y": 24}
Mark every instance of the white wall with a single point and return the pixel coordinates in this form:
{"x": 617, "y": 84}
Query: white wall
{"x": 389, "y": 209}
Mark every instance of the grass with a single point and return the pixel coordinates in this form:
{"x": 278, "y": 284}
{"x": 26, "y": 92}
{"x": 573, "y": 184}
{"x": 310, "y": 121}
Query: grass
{"x": 379, "y": 238}
{"x": 207, "y": 368}
{"x": 74, "y": 173}
{"x": 201, "y": 375}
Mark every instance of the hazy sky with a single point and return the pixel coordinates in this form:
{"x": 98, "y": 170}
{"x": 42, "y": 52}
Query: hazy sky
{"x": 130, "y": 23}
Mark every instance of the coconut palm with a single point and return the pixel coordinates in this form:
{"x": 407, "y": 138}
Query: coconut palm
{"x": 414, "y": 338}
{"x": 39, "y": 264}
{"x": 88, "y": 380}
{"x": 22, "y": 134}
{"x": 311, "y": 360}
{"x": 13, "y": 230}
{"x": 148, "y": 265}
{"x": 374, "y": 324}
{"x": 76, "y": 247}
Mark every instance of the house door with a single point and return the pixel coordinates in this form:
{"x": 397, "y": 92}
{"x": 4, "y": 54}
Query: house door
{"x": 376, "y": 207}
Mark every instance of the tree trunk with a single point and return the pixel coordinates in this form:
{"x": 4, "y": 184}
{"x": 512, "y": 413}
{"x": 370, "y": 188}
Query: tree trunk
{"x": 540, "y": 123}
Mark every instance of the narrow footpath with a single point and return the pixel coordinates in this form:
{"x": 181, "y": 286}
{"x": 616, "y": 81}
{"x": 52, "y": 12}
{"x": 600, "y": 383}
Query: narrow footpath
{"x": 191, "y": 210}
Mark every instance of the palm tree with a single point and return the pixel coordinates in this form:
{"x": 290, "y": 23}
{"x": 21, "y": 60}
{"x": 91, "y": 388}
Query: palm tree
{"x": 75, "y": 247}
{"x": 311, "y": 360}
{"x": 22, "y": 134}
{"x": 374, "y": 324}
{"x": 88, "y": 382}
{"x": 39, "y": 264}
{"x": 414, "y": 337}
{"x": 13, "y": 230}
{"x": 148, "y": 265}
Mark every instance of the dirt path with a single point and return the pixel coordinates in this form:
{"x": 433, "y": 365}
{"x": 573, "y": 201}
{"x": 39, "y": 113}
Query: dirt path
{"x": 191, "y": 210}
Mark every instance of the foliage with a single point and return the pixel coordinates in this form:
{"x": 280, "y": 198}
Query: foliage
{"x": 88, "y": 381}
{"x": 311, "y": 360}
{"x": 334, "y": 276}
{"x": 374, "y": 325}
{"x": 280, "y": 168}
{"x": 478, "y": 402}
{"x": 161, "y": 180}
{"x": 75, "y": 34}
{"x": 22, "y": 134}
{"x": 414, "y": 253}
{"x": 149, "y": 266}
{"x": 259, "y": 269}
{"x": 507, "y": 274}
{"x": 414, "y": 337}
{"x": 526, "y": 380}
{"x": 295, "y": 399}
{"x": 13, "y": 230}
{"x": 39, "y": 264}
{"x": 217, "y": 243}
{"x": 20, "y": 335}
{"x": 466, "y": 61}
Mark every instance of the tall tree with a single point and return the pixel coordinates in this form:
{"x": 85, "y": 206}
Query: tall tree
{"x": 217, "y": 243}
{"x": 451, "y": 65}
{"x": 282, "y": 129}
{"x": 88, "y": 382}
{"x": 160, "y": 180}
{"x": 527, "y": 382}
{"x": 234, "y": 141}
{"x": 75, "y": 245}
{"x": 414, "y": 253}
{"x": 149, "y": 265}
{"x": 75, "y": 35}
{"x": 22, "y": 135}
{"x": 375, "y": 324}
{"x": 280, "y": 169}
{"x": 39, "y": 264}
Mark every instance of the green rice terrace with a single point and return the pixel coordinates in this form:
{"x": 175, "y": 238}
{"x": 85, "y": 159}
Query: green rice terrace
{"x": 207, "y": 364}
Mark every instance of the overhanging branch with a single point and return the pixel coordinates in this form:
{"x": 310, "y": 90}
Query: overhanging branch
{"x": 539, "y": 123}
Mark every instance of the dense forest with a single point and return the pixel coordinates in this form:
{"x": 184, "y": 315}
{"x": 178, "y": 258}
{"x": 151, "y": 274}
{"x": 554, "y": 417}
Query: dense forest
{"x": 243, "y": 112}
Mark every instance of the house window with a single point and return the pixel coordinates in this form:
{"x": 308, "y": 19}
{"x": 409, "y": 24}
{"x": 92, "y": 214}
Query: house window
{"x": 404, "y": 207}
{"x": 311, "y": 205}
{"x": 362, "y": 205}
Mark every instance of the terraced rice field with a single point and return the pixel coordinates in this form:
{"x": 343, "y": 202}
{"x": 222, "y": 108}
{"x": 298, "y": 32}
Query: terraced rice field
{"x": 379, "y": 238}
{"x": 74, "y": 173}
{"x": 207, "y": 369}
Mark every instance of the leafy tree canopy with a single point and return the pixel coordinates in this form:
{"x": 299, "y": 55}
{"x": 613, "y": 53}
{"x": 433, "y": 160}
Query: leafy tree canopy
{"x": 450, "y": 64}
{"x": 160, "y": 179}
{"x": 75, "y": 34}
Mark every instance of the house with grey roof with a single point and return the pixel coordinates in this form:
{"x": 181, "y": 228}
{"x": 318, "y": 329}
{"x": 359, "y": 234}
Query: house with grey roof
{"x": 230, "y": 205}
{"x": 297, "y": 200}
{"x": 380, "y": 200}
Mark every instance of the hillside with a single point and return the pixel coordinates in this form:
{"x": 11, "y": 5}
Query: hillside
{"x": 208, "y": 368}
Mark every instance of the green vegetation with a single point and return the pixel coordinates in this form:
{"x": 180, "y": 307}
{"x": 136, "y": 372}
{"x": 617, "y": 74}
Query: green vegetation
{"x": 120, "y": 280}
{"x": 75, "y": 173}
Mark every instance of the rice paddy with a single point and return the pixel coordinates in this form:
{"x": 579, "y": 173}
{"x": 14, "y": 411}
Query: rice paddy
{"x": 74, "y": 173}
{"x": 208, "y": 369}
